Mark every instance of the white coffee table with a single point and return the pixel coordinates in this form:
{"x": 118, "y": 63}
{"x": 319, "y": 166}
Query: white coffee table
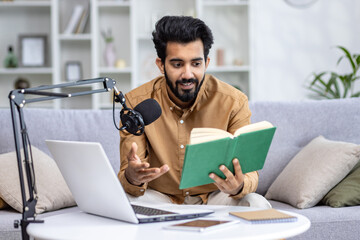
{"x": 80, "y": 225}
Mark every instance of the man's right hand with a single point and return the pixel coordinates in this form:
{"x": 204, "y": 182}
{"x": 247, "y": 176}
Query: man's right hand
{"x": 139, "y": 172}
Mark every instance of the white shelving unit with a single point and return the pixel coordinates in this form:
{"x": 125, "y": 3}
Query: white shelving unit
{"x": 19, "y": 71}
{"x": 26, "y": 3}
{"x": 131, "y": 23}
{"x": 74, "y": 37}
{"x": 24, "y": 17}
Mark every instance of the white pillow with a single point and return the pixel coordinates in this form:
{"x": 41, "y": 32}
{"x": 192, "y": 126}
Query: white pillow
{"x": 313, "y": 172}
{"x": 53, "y": 192}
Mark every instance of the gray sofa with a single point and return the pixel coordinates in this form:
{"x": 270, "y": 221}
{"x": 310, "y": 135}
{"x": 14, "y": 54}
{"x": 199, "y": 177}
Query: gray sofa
{"x": 297, "y": 123}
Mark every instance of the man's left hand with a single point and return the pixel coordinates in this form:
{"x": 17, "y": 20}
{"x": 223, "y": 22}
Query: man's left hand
{"x": 232, "y": 184}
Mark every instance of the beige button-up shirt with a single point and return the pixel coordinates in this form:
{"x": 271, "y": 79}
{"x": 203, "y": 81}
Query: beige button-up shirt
{"x": 218, "y": 105}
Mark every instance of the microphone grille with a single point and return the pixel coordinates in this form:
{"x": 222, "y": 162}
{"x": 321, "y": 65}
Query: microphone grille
{"x": 149, "y": 109}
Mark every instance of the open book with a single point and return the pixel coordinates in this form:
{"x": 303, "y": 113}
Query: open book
{"x": 210, "y": 147}
{"x": 200, "y": 135}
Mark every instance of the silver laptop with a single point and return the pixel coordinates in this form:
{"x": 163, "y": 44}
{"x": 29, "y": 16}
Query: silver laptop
{"x": 97, "y": 190}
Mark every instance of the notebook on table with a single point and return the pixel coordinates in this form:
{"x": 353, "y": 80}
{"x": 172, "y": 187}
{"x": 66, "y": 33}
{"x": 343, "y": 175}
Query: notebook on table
{"x": 265, "y": 216}
{"x": 97, "y": 190}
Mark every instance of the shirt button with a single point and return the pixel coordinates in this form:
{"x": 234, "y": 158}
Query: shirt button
{"x": 181, "y": 121}
{"x": 181, "y": 146}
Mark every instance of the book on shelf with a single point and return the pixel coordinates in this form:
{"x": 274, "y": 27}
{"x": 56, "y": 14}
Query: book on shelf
{"x": 83, "y": 20}
{"x": 74, "y": 21}
{"x": 265, "y": 216}
{"x": 210, "y": 147}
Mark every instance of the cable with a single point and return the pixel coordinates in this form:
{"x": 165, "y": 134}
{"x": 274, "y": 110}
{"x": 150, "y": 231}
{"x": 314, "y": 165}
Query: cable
{"x": 114, "y": 112}
{"x": 32, "y": 169}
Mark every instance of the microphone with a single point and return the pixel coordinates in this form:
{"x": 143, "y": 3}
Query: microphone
{"x": 134, "y": 121}
{"x": 149, "y": 109}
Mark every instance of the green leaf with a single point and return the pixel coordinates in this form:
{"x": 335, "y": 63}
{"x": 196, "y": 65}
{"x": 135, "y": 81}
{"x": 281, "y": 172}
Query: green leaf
{"x": 331, "y": 81}
{"x": 320, "y": 88}
{"x": 337, "y": 89}
{"x": 320, "y": 93}
{"x": 346, "y": 79}
{"x": 341, "y": 58}
{"x": 330, "y": 88}
{"x": 329, "y": 84}
{"x": 317, "y": 77}
{"x": 356, "y": 94}
{"x": 357, "y": 60}
{"x": 355, "y": 78}
{"x": 348, "y": 56}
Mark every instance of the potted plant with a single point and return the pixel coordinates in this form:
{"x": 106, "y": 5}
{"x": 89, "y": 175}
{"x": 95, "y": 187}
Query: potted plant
{"x": 331, "y": 85}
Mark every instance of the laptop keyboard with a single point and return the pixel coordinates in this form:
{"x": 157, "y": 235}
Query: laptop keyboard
{"x": 149, "y": 211}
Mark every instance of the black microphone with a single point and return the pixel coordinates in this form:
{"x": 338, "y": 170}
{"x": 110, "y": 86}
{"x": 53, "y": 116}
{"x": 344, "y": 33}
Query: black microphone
{"x": 134, "y": 121}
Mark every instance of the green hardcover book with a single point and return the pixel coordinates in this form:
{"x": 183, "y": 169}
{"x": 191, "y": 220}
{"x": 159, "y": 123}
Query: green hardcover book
{"x": 209, "y": 148}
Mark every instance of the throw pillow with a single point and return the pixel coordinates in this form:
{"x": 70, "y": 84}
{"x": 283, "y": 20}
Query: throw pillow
{"x": 53, "y": 192}
{"x": 316, "y": 169}
{"x": 347, "y": 192}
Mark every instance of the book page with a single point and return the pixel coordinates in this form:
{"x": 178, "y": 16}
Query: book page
{"x": 200, "y": 135}
{"x": 253, "y": 127}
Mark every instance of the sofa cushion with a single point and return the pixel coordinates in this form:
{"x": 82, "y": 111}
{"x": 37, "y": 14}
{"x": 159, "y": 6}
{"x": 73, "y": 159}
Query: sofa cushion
{"x": 347, "y": 192}
{"x": 53, "y": 192}
{"x": 298, "y": 122}
{"x": 316, "y": 169}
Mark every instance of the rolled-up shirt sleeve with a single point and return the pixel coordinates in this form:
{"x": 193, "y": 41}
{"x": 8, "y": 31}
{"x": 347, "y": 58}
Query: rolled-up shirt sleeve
{"x": 251, "y": 181}
{"x": 126, "y": 140}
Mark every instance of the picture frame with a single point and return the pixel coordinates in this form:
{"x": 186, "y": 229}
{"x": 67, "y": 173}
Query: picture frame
{"x": 32, "y": 50}
{"x": 73, "y": 71}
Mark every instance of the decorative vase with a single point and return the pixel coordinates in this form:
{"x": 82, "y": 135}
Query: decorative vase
{"x": 110, "y": 54}
{"x": 10, "y": 59}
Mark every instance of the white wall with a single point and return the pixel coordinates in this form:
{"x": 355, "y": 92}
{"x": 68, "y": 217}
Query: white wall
{"x": 288, "y": 44}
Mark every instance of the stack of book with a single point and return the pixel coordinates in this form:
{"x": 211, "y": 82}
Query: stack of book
{"x": 78, "y": 20}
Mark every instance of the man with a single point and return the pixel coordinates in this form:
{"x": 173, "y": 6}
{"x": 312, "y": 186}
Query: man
{"x": 151, "y": 164}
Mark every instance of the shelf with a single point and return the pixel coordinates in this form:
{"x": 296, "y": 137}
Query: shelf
{"x": 16, "y": 71}
{"x": 229, "y": 68}
{"x": 75, "y": 37}
{"x": 26, "y": 4}
{"x": 219, "y": 3}
{"x": 115, "y": 70}
{"x": 104, "y": 4}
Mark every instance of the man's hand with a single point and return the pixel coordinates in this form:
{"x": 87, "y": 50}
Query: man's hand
{"x": 232, "y": 184}
{"x": 139, "y": 172}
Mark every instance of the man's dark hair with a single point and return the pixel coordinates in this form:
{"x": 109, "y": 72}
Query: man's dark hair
{"x": 180, "y": 29}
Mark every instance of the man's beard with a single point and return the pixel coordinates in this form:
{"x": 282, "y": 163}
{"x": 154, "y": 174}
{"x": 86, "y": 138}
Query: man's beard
{"x": 187, "y": 95}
